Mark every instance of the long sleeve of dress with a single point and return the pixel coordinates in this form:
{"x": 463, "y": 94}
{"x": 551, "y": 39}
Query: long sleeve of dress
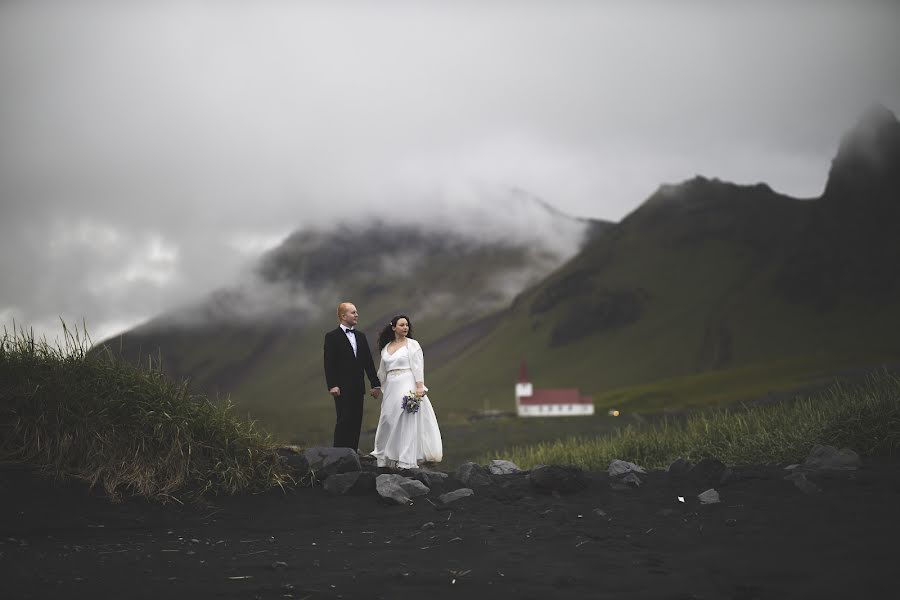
{"x": 417, "y": 361}
{"x": 382, "y": 374}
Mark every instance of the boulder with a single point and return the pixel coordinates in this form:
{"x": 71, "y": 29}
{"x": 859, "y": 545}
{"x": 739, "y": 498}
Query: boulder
{"x": 709, "y": 471}
{"x": 555, "y": 478}
{"x": 399, "y": 489}
{"x": 293, "y": 457}
{"x": 473, "y": 475}
{"x": 355, "y": 483}
{"x": 455, "y": 495}
{"x": 632, "y": 479}
{"x": 710, "y": 496}
{"x": 621, "y": 467}
{"x": 679, "y": 466}
{"x": 503, "y": 467}
{"x": 428, "y": 477}
{"x": 324, "y": 461}
{"x": 829, "y": 458}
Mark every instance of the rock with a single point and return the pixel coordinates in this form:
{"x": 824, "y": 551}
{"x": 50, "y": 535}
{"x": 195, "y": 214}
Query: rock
{"x": 279, "y": 564}
{"x": 428, "y": 525}
{"x": 324, "y": 461}
{"x": 293, "y": 457}
{"x": 632, "y": 479}
{"x": 825, "y": 458}
{"x": 621, "y": 467}
{"x": 399, "y": 489}
{"x": 356, "y": 483}
{"x": 803, "y": 484}
{"x": 708, "y": 470}
{"x": 503, "y": 467}
{"x": 473, "y": 475}
{"x": 455, "y": 495}
{"x": 428, "y": 477}
{"x": 747, "y": 473}
{"x": 679, "y": 466}
{"x": 710, "y": 496}
{"x": 598, "y": 512}
{"x": 555, "y": 478}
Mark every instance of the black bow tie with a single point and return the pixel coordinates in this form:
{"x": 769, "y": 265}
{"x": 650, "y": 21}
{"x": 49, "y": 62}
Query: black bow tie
{"x": 353, "y": 331}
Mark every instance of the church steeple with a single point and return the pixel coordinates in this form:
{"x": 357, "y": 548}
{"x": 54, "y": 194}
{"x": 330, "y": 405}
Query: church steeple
{"x": 523, "y": 373}
{"x": 523, "y": 387}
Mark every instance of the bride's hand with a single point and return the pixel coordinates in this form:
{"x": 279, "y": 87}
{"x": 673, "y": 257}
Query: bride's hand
{"x": 420, "y": 390}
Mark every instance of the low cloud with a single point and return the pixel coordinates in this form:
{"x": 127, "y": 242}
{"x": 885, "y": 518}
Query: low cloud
{"x": 141, "y": 170}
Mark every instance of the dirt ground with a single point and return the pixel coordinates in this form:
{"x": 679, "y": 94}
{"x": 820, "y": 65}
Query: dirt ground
{"x": 765, "y": 539}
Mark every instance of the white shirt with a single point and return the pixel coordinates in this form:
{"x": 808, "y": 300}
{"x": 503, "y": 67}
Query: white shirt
{"x": 350, "y": 336}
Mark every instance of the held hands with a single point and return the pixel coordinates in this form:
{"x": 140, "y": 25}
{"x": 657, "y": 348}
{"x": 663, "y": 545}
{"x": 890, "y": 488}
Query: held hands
{"x": 335, "y": 391}
{"x": 375, "y": 392}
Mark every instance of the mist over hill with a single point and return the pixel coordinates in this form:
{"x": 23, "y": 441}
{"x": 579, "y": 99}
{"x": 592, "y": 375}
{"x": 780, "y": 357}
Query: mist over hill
{"x": 708, "y": 276}
{"x": 705, "y": 276}
{"x": 492, "y": 251}
{"x": 259, "y": 340}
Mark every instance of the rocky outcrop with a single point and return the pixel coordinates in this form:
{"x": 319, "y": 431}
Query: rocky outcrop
{"x": 399, "y": 489}
{"x": 473, "y": 475}
{"x": 503, "y": 467}
{"x": 340, "y": 473}
{"x": 829, "y": 458}
{"x": 562, "y": 480}
{"x": 316, "y": 464}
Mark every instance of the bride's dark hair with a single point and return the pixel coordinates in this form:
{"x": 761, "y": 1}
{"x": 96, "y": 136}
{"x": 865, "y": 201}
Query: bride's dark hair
{"x": 387, "y": 334}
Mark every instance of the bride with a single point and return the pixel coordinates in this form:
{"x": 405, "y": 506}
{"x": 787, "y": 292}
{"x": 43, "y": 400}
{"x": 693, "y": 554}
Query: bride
{"x": 404, "y": 439}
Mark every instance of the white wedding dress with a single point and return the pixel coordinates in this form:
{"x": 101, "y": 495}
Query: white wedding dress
{"x": 403, "y": 439}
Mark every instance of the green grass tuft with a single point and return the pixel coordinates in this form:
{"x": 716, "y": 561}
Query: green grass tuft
{"x": 864, "y": 417}
{"x": 127, "y": 429}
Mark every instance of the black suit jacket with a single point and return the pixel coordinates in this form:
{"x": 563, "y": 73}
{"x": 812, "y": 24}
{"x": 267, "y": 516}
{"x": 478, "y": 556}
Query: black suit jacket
{"x": 343, "y": 369}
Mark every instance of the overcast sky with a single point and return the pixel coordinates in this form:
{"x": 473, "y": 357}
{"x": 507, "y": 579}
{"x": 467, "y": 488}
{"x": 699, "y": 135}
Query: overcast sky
{"x": 149, "y": 150}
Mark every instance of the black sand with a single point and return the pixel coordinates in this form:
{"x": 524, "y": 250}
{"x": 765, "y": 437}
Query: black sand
{"x": 766, "y": 539}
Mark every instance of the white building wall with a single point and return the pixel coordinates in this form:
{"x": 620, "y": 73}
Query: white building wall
{"x": 554, "y": 410}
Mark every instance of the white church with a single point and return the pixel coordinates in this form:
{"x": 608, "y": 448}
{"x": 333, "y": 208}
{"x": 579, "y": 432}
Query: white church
{"x": 560, "y": 402}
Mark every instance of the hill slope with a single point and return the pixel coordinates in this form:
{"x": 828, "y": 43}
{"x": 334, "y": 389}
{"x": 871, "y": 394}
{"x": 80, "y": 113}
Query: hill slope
{"x": 707, "y": 292}
{"x": 261, "y": 341}
{"x": 709, "y": 277}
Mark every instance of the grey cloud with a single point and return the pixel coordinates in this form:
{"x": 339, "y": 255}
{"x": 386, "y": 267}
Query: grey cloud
{"x": 213, "y": 124}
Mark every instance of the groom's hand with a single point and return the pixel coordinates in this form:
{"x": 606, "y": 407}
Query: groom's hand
{"x": 375, "y": 392}
{"x": 335, "y": 391}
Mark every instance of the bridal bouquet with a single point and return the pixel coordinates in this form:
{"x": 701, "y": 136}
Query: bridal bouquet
{"x": 411, "y": 402}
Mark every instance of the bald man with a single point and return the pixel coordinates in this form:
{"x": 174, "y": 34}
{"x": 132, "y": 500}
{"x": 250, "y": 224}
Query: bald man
{"x": 347, "y": 359}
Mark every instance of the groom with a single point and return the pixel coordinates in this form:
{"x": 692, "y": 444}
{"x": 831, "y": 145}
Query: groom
{"x": 347, "y": 356}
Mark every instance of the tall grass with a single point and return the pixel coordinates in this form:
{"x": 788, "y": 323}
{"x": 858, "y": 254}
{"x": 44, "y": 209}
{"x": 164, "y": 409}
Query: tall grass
{"x": 864, "y": 417}
{"x": 125, "y": 428}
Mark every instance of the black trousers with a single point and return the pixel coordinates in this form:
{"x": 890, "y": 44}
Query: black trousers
{"x": 349, "y": 410}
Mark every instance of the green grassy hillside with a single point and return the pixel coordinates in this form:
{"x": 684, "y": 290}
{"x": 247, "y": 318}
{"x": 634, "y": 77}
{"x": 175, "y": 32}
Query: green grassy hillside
{"x": 270, "y": 364}
{"x": 711, "y": 292}
{"x": 708, "y": 293}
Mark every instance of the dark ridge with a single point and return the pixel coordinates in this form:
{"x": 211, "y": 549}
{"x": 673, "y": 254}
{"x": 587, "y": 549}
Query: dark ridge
{"x": 866, "y": 169}
{"x": 604, "y": 310}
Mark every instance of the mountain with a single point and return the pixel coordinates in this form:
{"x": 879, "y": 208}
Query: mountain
{"x": 708, "y": 291}
{"x": 709, "y": 281}
{"x": 260, "y": 340}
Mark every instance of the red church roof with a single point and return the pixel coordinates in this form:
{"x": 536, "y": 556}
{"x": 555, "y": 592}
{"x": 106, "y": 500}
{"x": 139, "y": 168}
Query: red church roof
{"x": 556, "y": 396}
